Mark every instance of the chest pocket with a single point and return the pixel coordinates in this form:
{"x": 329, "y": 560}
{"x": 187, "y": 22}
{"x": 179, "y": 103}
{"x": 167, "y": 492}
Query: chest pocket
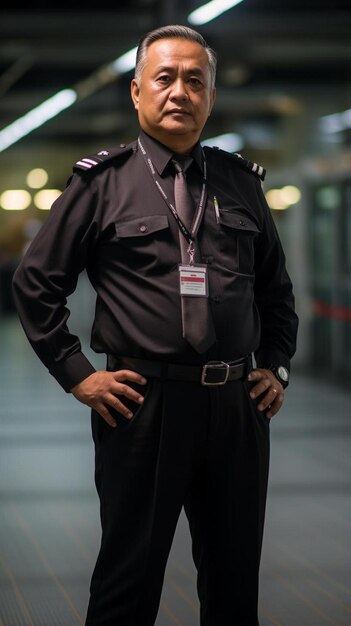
{"x": 237, "y": 237}
{"x": 145, "y": 243}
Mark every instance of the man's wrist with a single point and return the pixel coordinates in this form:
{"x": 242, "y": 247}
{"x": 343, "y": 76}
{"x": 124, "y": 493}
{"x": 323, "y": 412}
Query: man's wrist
{"x": 281, "y": 373}
{"x": 71, "y": 371}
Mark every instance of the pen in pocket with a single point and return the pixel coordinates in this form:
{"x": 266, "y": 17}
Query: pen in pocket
{"x": 216, "y": 208}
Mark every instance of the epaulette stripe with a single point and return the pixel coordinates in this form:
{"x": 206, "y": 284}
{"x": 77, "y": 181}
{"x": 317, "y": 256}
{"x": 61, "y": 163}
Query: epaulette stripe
{"x": 86, "y": 160}
{"x": 250, "y": 166}
{"x": 87, "y": 165}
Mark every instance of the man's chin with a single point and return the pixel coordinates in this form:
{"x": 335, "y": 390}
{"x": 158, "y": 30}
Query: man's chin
{"x": 177, "y": 129}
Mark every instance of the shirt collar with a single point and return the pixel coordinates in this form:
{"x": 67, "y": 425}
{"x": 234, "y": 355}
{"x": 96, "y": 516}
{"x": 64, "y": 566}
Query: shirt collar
{"x": 161, "y": 155}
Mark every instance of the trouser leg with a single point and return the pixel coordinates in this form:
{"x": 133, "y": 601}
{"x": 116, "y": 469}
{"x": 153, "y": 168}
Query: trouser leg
{"x": 142, "y": 469}
{"x": 226, "y": 506}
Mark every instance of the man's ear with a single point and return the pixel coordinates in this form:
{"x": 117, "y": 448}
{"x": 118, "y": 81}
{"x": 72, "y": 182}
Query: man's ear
{"x": 134, "y": 92}
{"x": 212, "y": 100}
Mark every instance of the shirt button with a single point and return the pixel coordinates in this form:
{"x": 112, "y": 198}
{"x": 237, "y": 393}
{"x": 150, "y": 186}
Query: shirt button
{"x": 143, "y": 228}
{"x": 242, "y": 223}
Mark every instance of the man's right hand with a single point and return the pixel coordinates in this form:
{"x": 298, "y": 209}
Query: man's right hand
{"x": 102, "y": 389}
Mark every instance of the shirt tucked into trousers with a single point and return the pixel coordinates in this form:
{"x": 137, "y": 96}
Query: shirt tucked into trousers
{"x": 202, "y": 448}
{"x": 206, "y": 449}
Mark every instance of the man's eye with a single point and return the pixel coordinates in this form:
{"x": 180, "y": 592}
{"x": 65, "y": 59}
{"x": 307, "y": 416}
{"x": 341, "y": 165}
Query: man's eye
{"x": 163, "y": 79}
{"x": 195, "y": 82}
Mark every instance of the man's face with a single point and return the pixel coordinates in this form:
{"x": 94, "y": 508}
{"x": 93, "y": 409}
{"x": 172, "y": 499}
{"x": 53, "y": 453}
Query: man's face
{"x": 174, "y": 97}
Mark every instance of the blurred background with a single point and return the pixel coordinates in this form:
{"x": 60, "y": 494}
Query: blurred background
{"x": 283, "y": 101}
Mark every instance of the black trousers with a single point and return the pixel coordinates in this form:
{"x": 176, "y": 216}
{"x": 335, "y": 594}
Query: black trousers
{"x": 206, "y": 449}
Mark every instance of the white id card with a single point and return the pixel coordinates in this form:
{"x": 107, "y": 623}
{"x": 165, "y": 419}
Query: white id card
{"x": 193, "y": 280}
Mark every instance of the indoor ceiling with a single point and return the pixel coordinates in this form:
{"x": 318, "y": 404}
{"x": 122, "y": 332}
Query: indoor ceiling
{"x": 279, "y": 61}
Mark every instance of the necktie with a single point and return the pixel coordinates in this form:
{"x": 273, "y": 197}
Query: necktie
{"x": 197, "y": 322}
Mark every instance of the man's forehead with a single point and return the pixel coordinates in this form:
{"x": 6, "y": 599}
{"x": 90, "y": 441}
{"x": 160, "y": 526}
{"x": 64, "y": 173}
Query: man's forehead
{"x": 176, "y": 48}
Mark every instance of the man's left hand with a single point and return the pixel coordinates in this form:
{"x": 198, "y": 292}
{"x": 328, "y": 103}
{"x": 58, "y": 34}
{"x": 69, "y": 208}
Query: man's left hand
{"x": 269, "y": 388}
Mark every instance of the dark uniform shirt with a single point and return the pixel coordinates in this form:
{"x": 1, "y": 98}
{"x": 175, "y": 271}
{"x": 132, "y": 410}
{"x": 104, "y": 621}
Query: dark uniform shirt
{"x": 112, "y": 221}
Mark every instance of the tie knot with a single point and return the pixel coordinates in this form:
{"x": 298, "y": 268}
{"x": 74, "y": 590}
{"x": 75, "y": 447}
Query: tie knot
{"x": 182, "y": 163}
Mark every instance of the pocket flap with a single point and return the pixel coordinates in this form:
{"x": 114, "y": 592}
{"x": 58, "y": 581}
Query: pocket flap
{"x": 238, "y": 221}
{"x": 141, "y": 226}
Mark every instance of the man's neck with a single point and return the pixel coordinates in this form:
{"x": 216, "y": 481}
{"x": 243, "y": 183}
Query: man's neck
{"x": 178, "y": 144}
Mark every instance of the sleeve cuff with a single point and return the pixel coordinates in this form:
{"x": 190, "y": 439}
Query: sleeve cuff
{"x": 72, "y": 371}
{"x": 266, "y": 357}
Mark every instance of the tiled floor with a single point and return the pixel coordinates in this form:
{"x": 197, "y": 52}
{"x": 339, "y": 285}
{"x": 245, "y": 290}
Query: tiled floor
{"x": 49, "y": 527}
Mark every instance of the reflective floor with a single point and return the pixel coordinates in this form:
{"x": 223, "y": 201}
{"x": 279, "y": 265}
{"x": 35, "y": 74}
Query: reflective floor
{"x": 49, "y": 527}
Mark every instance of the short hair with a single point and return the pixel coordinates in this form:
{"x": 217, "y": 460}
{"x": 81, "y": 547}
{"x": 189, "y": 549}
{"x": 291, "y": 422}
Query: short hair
{"x": 174, "y": 31}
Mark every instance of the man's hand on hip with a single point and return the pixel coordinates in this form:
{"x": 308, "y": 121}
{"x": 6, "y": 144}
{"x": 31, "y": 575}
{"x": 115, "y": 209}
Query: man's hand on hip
{"x": 269, "y": 388}
{"x": 102, "y": 389}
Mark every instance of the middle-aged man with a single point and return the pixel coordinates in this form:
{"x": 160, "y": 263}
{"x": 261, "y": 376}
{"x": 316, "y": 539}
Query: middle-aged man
{"x": 184, "y": 304}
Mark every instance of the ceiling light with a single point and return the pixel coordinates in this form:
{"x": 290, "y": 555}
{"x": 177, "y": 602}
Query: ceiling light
{"x": 36, "y": 117}
{"x": 291, "y": 194}
{"x": 281, "y": 199}
{"x": 231, "y": 142}
{"x": 125, "y": 62}
{"x": 15, "y": 199}
{"x": 64, "y": 99}
{"x": 275, "y": 200}
{"x": 44, "y": 199}
{"x": 211, "y": 10}
{"x": 37, "y": 178}
{"x": 336, "y": 122}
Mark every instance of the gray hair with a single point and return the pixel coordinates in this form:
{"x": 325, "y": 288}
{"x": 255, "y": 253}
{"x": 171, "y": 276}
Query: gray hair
{"x": 173, "y": 32}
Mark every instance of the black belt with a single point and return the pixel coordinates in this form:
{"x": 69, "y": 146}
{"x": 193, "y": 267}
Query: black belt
{"x": 213, "y": 373}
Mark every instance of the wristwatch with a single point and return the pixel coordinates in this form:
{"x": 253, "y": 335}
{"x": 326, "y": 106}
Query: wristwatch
{"x": 281, "y": 374}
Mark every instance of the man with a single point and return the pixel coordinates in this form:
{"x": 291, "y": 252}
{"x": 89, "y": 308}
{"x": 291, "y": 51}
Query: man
{"x": 180, "y": 417}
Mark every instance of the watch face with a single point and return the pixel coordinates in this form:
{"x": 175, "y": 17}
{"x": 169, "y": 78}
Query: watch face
{"x": 283, "y": 373}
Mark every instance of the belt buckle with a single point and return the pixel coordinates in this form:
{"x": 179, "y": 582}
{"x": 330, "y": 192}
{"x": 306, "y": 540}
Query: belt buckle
{"x": 214, "y": 365}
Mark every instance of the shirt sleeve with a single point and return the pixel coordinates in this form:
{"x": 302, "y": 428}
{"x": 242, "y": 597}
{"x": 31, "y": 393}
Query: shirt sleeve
{"x": 273, "y": 295}
{"x": 48, "y": 274}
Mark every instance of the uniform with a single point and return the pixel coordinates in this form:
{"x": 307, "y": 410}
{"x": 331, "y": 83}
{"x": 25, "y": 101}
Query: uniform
{"x": 203, "y": 447}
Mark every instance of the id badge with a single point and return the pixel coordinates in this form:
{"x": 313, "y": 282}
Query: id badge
{"x": 193, "y": 280}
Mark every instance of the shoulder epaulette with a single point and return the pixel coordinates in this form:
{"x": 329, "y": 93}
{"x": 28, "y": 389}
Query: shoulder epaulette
{"x": 89, "y": 163}
{"x": 250, "y": 166}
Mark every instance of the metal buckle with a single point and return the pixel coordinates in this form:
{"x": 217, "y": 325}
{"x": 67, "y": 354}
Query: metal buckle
{"x": 214, "y": 365}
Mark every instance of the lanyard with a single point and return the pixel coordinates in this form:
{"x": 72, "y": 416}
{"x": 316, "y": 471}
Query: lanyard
{"x": 189, "y": 235}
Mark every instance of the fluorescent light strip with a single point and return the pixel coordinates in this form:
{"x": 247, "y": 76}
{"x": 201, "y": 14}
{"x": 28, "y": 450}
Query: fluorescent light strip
{"x": 336, "y": 122}
{"x": 230, "y": 142}
{"x": 57, "y": 103}
{"x": 211, "y": 10}
{"x": 36, "y": 117}
{"x": 125, "y": 62}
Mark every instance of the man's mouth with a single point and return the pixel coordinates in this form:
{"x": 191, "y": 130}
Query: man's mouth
{"x": 178, "y": 112}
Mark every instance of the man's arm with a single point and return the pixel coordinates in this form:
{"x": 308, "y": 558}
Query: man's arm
{"x": 46, "y": 276}
{"x": 275, "y": 301}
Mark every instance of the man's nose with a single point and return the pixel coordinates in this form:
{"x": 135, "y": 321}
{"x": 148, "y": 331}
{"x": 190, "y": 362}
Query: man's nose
{"x": 179, "y": 91}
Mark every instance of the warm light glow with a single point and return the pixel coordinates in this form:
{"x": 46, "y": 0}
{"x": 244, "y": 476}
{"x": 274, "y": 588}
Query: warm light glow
{"x": 281, "y": 199}
{"x": 211, "y": 10}
{"x": 15, "y": 199}
{"x": 37, "y": 178}
{"x": 36, "y": 117}
{"x": 290, "y": 194}
{"x": 45, "y": 198}
{"x": 275, "y": 200}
